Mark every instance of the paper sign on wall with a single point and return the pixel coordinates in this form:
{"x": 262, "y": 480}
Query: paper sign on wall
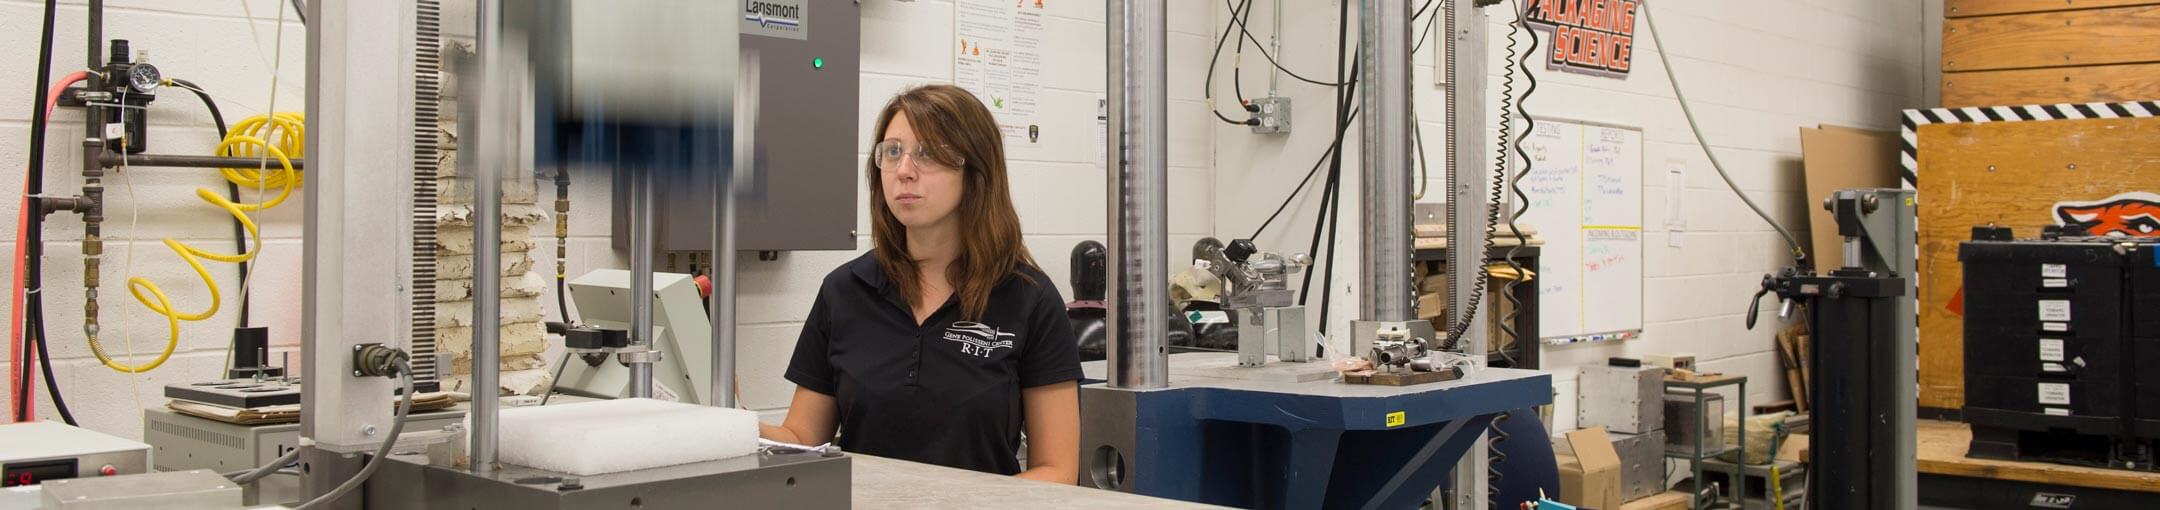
{"x": 1594, "y": 37}
{"x": 1000, "y": 60}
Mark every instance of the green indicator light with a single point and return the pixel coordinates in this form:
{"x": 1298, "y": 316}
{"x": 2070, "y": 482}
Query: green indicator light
{"x": 817, "y": 63}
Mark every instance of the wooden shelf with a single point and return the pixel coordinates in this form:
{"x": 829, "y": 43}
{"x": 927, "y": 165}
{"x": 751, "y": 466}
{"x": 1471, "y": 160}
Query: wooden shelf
{"x": 1942, "y": 446}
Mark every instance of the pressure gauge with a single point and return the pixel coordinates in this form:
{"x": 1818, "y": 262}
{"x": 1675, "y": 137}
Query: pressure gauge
{"x": 144, "y": 78}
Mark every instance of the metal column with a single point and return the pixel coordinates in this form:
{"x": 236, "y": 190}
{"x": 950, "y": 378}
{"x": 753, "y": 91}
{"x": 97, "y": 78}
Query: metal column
{"x": 641, "y": 270}
{"x": 1138, "y": 186}
{"x": 353, "y": 280}
{"x": 1384, "y": 255}
{"x": 724, "y": 197}
{"x": 487, "y": 236}
{"x": 1467, "y": 179}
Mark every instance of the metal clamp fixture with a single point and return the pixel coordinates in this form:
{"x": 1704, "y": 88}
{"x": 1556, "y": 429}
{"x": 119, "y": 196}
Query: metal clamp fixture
{"x": 1259, "y": 290}
{"x": 1396, "y": 350}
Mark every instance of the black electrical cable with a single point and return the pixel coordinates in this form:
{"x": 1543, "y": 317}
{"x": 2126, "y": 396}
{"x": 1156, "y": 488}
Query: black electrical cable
{"x": 232, "y": 192}
{"x": 1327, "y": 190}
{"x": 1327, "y": 199}
{"x": 52, "y": 387}
{"x": 34, "y": 184}
{"x": 1317, "y": 165}
{"x": 1271, "y": 57}
{"x": 1344, "y": 96}
{"x": 27, "y": 384}
{"x": 1207, "y": 86}
{"x": 1237, "y": 66}
{"x": 1420, "y": 45}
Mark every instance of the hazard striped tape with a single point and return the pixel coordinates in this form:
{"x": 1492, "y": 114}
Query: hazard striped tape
{"x": 1915, "y": 118}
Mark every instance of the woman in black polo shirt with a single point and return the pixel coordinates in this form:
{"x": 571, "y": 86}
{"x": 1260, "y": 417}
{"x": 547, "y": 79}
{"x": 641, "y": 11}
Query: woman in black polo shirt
{"x": 945, "y": 342}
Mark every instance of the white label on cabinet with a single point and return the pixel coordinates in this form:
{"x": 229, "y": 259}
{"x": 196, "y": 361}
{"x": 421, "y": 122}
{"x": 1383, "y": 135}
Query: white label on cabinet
{"x": 2054, "y": 326}
{"x": 2051, "y": 349}
{"x": 2055, "y": 393}
{"x": 2055, "y": 283}
{"x": 2056, "y": 411}
{"x": 2053, "y": 368}
{"x": 2055, "y": 310}
{"x": 2054, "y": 271}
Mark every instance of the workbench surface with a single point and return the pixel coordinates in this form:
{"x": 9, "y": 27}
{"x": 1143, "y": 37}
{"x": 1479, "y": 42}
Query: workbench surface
{"x": 881, "y": 483}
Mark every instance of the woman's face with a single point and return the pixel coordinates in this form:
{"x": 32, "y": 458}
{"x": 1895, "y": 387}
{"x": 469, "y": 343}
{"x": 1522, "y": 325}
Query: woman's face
{"x": 919, "y": 190}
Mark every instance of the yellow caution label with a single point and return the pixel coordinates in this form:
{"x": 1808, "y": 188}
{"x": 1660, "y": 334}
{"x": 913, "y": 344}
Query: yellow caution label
{"x": 1396, "y": 419}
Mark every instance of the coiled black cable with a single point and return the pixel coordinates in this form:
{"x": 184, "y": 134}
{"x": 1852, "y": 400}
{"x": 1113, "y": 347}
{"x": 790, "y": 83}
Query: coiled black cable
{"x": 1521, "y": 61}
{"x": 1511, "y": 106}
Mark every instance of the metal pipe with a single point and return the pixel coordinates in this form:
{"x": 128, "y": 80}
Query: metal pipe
{"x": 723, "y": 261}
{"x": 93, "y": 187}
{"x": 1384, "y": 292}
{"x": 1138, "y": 182}
{"x": 641, "y": 274}
{"x": 1274, "y": 75}
{"x": 111, "y": 159}
{"x": 487, "y": 243}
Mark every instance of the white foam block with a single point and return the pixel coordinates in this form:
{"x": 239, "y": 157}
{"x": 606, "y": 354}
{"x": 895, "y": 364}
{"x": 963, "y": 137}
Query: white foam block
{"x": 612, "y": 436}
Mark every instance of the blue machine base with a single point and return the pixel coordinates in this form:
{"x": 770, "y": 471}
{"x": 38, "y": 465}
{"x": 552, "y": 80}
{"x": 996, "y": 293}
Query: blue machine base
{"x": 1274, "y": 449}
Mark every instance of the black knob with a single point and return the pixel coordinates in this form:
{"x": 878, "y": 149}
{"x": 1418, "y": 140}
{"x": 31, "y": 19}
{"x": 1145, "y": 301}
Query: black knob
{"x": 1240, "y": 250}
{"x": 1090, "y": 271}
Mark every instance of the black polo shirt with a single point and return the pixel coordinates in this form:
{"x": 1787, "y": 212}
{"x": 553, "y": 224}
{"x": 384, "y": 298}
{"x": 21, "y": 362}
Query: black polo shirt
{"x": 946, "y": 392}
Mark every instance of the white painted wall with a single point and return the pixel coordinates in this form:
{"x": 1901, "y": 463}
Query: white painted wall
{"x": 1755, "y": 73}
{"x": 1058, "y": 185}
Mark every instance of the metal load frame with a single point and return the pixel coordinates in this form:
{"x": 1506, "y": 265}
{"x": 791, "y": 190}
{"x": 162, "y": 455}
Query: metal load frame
{"x": 1307, "y": 443}
{"x": 353, "y": 47}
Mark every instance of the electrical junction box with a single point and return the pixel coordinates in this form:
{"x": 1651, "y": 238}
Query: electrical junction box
{"x": 1621, "y": 399}
{"x": 1273, "y": 113}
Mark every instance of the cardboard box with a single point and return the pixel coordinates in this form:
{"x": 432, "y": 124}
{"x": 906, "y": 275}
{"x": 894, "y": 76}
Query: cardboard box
{"x": 1430, "y": 306}
{"x": 1642, "y": 462}
{"x": 1590, "y": 477}
{"x": 1795, "y": 449}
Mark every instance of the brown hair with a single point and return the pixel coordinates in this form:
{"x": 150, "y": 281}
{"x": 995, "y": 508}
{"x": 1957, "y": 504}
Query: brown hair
{"x": 951, "y": 118}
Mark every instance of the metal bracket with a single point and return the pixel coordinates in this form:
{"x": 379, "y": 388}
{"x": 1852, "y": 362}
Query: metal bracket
{"x": 635, "y": 356}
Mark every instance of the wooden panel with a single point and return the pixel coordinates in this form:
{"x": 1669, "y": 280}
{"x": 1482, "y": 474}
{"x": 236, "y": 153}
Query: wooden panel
{"x": 1942, "y": 446}
{"x": 1966, "y": 8}
{"x": 2070, "y": 38}
{"x": 2011, "y": 174}
{"x": 1668, "y": 500}
{"x": 2089, "y": 84}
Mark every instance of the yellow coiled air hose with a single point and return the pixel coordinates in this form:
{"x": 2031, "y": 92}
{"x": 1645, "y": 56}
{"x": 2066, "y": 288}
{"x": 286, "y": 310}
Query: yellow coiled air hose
{"x": 248, "y": 139}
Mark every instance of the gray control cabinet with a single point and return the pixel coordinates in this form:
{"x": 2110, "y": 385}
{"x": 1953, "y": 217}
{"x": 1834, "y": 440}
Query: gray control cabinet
{"x": 801, "y": 190}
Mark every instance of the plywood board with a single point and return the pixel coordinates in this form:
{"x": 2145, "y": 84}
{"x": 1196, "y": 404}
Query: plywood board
{"x": 1668, "y": 500}
{"x": 2052, "y": 39}
{"x": 1967, "y": 8}
{"x": 1842, "y": 158}
{"x": 1942, "y": 446}
{"x": 2023, "y": 175}
{"x": 2055, "y": 85}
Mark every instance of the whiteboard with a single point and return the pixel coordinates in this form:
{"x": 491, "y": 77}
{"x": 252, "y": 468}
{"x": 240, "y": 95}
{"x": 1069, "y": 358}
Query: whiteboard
{"x": 1585, "y": 192}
